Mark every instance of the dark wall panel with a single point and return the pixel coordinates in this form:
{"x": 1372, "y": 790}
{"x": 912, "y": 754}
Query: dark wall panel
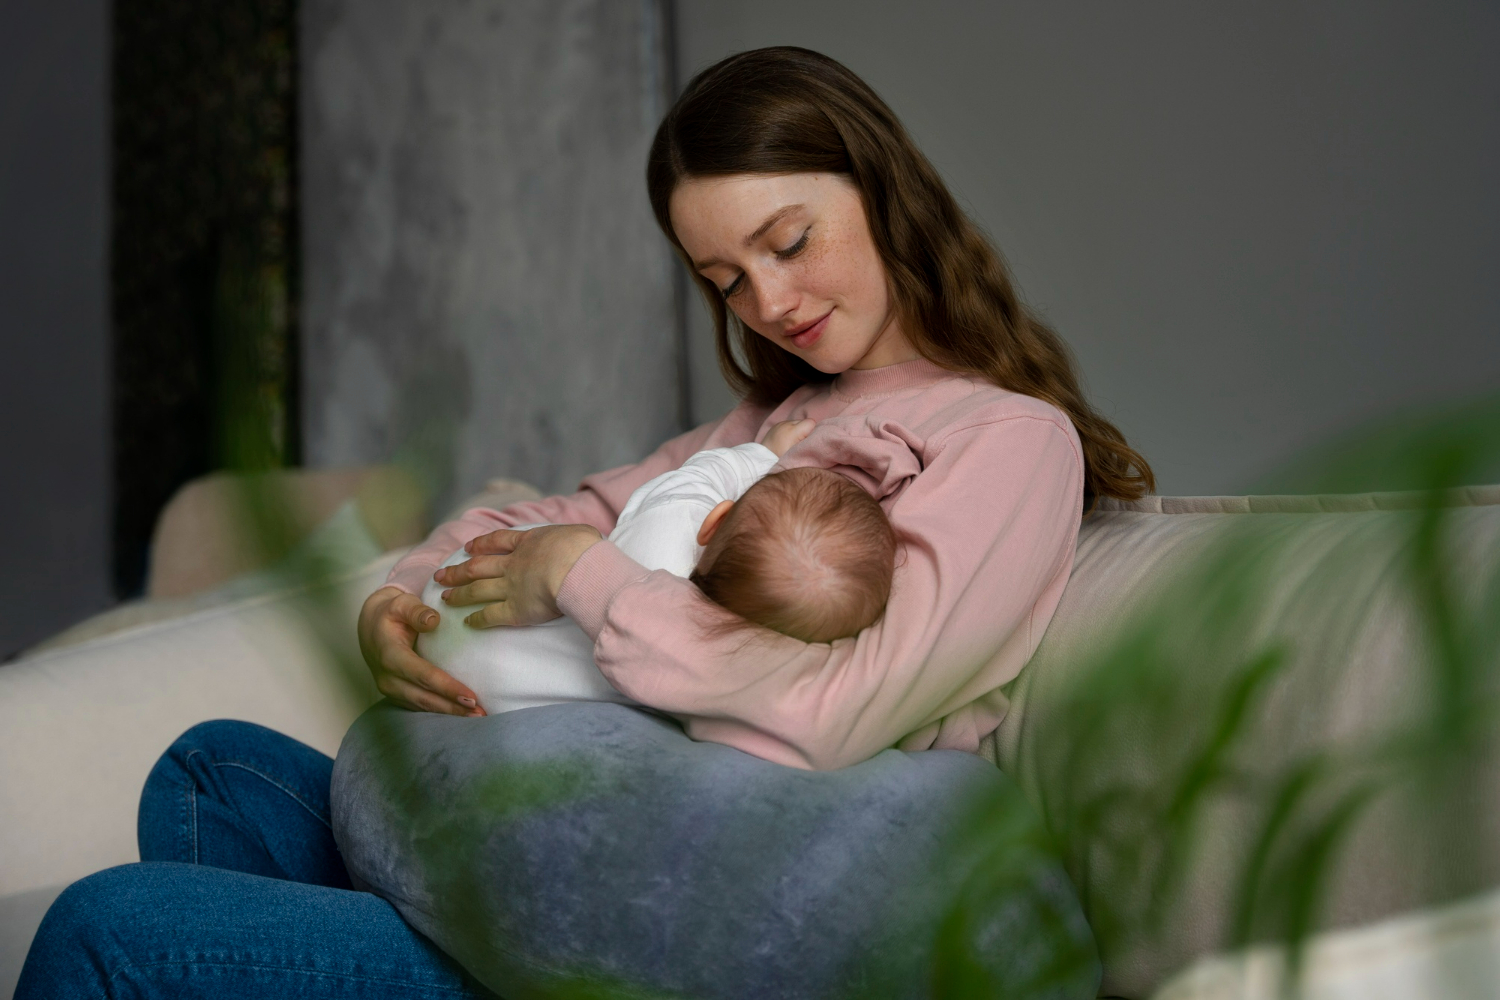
{"x": 54, "y": 481}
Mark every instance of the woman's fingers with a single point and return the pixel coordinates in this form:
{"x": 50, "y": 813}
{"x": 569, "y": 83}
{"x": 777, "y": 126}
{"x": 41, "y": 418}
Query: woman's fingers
{"x": 476, "y": 568}
{"x": 479, "y": 592}
{"x": 419, "y": 699}
{"x": 505, "y": 613}
{"x": 388, "y": 627}
{"x": 409, "y": 610}
{"x": 406, "y": 671}
{"x": 502, "y": 541}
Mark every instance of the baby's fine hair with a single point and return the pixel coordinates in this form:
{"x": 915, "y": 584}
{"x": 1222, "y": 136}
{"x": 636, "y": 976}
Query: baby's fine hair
{"x": 805, "y": 552}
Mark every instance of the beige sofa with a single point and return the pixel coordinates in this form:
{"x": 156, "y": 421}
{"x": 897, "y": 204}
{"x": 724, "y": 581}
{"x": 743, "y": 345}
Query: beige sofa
{"x": 83, "y": 718}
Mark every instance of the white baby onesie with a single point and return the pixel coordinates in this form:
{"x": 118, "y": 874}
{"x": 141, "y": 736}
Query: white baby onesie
{"x": 522, "y": 667}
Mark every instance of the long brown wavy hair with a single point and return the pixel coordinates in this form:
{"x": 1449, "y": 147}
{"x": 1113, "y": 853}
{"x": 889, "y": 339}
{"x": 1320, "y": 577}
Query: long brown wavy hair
{"x": 791, "y": 110}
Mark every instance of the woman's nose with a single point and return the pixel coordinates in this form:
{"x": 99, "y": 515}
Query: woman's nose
{"x": 775, "y": 297}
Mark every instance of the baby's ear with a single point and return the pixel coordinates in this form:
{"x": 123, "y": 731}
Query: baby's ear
{"x": 711, "y": 522}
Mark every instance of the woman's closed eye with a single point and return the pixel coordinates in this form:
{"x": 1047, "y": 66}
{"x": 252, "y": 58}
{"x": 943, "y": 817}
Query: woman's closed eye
{"x": 797, "y": 247}
{"x": 787, "y": 254}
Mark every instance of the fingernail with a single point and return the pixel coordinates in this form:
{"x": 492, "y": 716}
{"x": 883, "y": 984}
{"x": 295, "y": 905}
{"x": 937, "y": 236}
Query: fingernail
{"x": 430, "y": 618}
{"x": 446, "y": 593}
{"x": 478, "y": 713}
{"x": 467, "y": 702}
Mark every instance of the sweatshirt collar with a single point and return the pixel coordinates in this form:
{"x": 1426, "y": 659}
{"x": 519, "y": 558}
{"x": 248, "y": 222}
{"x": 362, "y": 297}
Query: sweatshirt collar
{"x": 855, "y": 383}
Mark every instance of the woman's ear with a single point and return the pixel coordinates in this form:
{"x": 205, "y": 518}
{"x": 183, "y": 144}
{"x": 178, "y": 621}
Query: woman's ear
{"x": 711, "y": 522}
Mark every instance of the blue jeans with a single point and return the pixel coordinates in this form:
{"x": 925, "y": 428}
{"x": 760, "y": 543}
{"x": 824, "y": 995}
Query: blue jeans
{"x": 240, "y": 893}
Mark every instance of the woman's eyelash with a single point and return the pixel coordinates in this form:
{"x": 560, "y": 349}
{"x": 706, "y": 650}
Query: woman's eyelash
{"x": 786, "y": 254}
{"x": 797, "y": 247}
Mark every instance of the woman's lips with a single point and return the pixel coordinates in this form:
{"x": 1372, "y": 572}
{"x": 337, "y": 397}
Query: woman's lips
{"x": 808, "y": 335}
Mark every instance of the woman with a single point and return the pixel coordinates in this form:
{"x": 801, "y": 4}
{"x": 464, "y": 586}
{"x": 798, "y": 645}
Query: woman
{"x": 857, "y": 293}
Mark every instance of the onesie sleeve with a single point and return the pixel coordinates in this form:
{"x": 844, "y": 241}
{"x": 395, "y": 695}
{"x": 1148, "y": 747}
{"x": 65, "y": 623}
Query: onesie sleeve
{"x": 659, "y": 526}
{"x": 708, "y": 477}
{"x": 987, "y": 533}
{"x": 598, "y": 502}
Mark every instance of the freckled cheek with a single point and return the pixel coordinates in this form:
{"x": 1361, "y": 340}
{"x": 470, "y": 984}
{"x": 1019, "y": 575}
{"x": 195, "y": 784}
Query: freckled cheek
{"x": 825, "y": 269}
{"x": 849, "y": 269}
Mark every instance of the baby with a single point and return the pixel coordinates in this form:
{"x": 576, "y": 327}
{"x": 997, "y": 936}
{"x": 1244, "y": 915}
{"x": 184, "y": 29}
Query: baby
{"x": 805, "y": 552}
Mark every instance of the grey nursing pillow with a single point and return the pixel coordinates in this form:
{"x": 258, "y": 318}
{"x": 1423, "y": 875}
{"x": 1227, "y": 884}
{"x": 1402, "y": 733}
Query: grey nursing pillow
{"x": 595, "y": 845}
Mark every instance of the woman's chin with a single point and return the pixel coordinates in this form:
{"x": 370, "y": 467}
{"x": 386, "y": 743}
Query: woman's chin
{"x": 828, "y": 362}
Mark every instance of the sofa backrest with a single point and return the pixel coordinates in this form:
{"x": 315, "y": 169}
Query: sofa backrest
{"x": 1217, "y": 659}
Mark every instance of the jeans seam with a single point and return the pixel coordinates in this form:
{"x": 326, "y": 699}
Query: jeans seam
{"x": 259, "y": 966}
{"x": 191, "y": 808}
{"x": 270, "y": 781}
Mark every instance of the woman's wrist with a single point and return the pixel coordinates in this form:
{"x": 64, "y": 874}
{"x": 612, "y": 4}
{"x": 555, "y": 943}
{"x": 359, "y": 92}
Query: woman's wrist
{"x": 568, "y": 547}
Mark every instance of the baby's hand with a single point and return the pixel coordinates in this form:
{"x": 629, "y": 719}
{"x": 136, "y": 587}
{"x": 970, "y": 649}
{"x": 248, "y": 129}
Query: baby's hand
{"x": 787, "y": 433}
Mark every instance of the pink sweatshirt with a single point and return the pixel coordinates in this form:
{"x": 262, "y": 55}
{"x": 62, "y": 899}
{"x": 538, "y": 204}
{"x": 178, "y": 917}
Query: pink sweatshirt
{"x": 984, "y": 488}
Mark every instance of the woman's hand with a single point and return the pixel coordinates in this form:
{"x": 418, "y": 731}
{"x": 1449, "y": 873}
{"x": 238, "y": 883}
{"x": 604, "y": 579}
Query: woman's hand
{"x": 787, "y": 433}
{"x": 388, "y": 627}
{"x": 516, "y": 575}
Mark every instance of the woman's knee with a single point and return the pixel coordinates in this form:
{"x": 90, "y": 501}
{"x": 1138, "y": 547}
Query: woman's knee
{"x": 225, "y": 738}
{"x": 240, "y": 796}
{"x": 181, "y": 773}
{"x": 78, "y": 947}
{"x": 214, "y": 740}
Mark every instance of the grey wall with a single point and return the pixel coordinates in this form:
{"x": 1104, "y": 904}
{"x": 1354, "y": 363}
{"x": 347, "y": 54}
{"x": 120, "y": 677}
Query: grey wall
{"x": 485, "y": 292}
{"x": 54, "y": 496}
{"x": 1256, "y": 223}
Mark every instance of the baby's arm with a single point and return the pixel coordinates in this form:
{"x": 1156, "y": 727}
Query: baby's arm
{"x": 717, "y": 474}
{"x": 659, "y": 526}
{"x": 705, "y": 479}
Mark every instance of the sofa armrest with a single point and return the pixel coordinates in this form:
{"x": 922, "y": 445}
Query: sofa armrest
{"x": 205, "y": 535}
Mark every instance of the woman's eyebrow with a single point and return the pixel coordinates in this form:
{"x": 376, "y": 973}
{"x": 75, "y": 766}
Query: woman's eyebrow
{"x": 774, "y": 218}
{"x": 771, "y": 220}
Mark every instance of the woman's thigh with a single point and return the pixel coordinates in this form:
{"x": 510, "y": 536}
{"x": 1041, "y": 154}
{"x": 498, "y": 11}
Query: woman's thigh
{"x": 245, "y": 798}
{"x": 158, "y": 930}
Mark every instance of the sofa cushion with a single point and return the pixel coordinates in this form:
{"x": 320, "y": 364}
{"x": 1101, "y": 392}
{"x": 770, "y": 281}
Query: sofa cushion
{"x": 81, "y": 726}
{"x": 1447, "y": 953}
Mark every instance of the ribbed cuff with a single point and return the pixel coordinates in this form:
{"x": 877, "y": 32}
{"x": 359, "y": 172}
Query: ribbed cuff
{"x": 598, "y": 575}
{"x": 402, "y": 581}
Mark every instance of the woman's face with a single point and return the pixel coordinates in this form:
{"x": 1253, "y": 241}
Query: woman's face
{"x": 793, "y": 256}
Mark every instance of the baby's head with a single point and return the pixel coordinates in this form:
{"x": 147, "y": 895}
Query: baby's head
{"x": 805, "y": 552}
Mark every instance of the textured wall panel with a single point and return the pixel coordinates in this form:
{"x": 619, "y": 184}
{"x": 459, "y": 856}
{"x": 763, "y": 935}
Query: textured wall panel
{"x": 485, "y": 290}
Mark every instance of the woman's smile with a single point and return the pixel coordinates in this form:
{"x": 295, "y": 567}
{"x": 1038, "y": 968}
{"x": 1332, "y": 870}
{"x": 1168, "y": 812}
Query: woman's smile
{"x": 808, "y": 334}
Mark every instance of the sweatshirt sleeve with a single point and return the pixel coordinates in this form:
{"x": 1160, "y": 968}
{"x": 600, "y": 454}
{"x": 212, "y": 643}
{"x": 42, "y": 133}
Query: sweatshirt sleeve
{"x": 599, "y": 500}
{"x": 988, "y": 530}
